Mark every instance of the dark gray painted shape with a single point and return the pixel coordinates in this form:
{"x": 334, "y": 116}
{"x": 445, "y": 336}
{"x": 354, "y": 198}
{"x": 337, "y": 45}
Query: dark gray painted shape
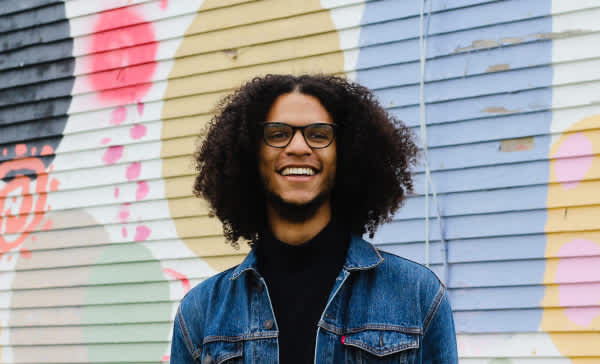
{"x": 39, "y": 53}
{"x": 36, "y": 73}
{"x": 14, "y": 6}
{"x": 34, "y": 35}
{"x": 36, "y": 17}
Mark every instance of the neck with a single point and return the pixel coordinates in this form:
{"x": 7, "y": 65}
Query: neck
{"x": 294, "y": 232}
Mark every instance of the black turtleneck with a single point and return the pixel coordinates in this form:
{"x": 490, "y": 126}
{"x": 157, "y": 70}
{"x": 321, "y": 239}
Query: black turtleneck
{"x": 299, "y": 279}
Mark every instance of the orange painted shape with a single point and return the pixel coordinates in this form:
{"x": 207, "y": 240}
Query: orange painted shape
{"x": 33, "y": 151}
{"x": 26, "y": 254}
{"x": 54, "y": 183}
{"x": 20, "y": 150}
{"x": 47, "y": 225}
{"x": 47, "y": 150}
{"x": 26, "y": 220}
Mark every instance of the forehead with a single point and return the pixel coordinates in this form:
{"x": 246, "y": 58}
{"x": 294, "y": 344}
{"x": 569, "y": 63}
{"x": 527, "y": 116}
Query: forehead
{"x": 298, "y": 109}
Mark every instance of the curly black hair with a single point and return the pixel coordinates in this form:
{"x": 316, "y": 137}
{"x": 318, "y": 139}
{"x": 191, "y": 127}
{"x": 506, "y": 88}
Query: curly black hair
{"x": 375, "y": 154}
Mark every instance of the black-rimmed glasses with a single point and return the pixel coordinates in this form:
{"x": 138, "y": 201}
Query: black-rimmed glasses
{"x": 317, "y": 135}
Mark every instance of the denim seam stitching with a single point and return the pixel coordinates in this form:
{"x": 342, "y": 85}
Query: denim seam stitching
{"x": 267, "y": 335}
{"x": 371, "y": 349}
{"x": 186, "y": 335}
{"x": 395, "y": 328}
{"x": 434, "y": 308}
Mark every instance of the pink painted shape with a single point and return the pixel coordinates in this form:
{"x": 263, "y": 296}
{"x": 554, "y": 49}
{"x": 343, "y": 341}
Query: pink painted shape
{"x": 142, "y": 190}
{"x": 20, "y": 150}
{"x": 579, "y": 268}
{"x": 123, "y": 50}
{"x": 140, "y": 108}
{"x": 165, "y": 358}
{"x": 33, "y": 151}
{"x": 118, "y": 115}
{"x": 164, "y": 4}
{"x": 47, "y": 150}
{"x": 137, "y": 131}
{"x": 133, "y": 171}
{"x": 185, "y": 282}
{"x": 116, "y": 193}
{"x": 113, "y": 154}
{"x": 574, "y": 159}
{"x": 142, "y": 233}
{"x": 105, "y": 141}
{"x": 124, "y": 231}
{"x": 4, "y": 152}
{"x": 124, "y": 212}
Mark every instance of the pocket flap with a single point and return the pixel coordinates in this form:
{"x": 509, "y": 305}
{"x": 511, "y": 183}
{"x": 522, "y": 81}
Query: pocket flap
{"x": 216, "y": 352}
{"x": 382, "y": 342}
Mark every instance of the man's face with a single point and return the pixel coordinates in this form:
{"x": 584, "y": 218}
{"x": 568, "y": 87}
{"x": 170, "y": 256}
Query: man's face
{"x": 297, "y": 175}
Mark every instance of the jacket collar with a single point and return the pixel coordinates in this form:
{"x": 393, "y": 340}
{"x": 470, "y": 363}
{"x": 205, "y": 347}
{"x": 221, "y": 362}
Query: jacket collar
{"x": 362, "y": 255}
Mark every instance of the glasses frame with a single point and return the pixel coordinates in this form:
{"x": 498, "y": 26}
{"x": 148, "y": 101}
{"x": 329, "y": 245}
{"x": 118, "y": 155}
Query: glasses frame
{"x": 294, "y": 128}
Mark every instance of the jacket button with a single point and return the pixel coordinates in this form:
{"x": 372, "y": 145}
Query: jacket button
{"x": 208, "y": 359}
{"x": 268, "y": 324}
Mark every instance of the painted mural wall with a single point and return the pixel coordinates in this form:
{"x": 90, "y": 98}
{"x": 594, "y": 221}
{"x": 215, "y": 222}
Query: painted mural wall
{"x": 101, "y": 105}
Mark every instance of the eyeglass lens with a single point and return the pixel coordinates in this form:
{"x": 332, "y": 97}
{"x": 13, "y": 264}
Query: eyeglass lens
{"x": 279, "y": 135}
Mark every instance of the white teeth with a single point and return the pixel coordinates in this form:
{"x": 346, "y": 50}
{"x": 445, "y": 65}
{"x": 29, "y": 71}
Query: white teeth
{"x": 298, "y": 171}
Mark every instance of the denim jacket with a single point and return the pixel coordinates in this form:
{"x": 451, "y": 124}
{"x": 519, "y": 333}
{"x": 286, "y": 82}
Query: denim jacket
{"x": 382, "y": 309}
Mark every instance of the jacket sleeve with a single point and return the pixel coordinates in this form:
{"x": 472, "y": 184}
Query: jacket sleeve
{"x": 181, "y": 345}
{"x": 439, "y": 338}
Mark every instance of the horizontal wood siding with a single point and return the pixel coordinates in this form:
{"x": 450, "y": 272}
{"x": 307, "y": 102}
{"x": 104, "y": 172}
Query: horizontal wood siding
{"x": 101, "y": 104}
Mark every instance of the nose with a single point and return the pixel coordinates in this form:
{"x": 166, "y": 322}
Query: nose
{"x": 298, "y": 145}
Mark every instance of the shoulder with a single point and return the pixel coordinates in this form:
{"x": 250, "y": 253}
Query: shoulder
{"x": 202, "y": 295}
{"x": 408, "y": 269}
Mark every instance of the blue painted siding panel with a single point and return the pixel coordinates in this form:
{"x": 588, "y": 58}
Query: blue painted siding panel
{"x": 493, "y": 202}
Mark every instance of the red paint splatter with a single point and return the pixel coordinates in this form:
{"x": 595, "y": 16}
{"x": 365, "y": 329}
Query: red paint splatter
{"x": 141, "y": 233}
{"x": 123, "y": 213}
{"x": 164, "y": 4}
{"x": 185, "y": 282}
{"x": 105, "y": 141}
{"x": 140, "y": 108}
{"x": 54, "y": 185}
{"x": 33, "y": 151}
{"x": 142, "y": 190}
{"x": 133, "y": 171}
{"x": 26, "y": 254}
{"x": 20, "y": 150}
{"x": 47, "y": 225}
{"x": 166, "y": 358}
{"x": 47, "y": 150}
{"x": 116, "y": 46}
{"x": 124, "y": 231}
{"x": 118, "y": 116}
{"x": 113, "y": 154}
{"x": 116, "y": 193}
{"x": 137, "y": 131}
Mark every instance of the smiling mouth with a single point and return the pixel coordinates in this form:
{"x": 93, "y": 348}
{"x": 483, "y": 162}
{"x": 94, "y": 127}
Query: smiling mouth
{"x": 298, "y": 171}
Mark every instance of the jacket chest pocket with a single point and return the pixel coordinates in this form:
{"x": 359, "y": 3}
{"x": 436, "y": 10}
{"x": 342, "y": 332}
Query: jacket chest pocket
{"x": 381, "y": 347}
{"x": 217, "y": 352}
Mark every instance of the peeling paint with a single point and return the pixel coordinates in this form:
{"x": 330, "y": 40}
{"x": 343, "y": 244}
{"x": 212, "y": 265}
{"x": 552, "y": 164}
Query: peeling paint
{"x": 498, "y": 67}
{"x": 478, "y": 44}
{"x": 559, "y": 35}
{"x": 517, "y": 145}
{"x": 512, "y": 40}
{"x": 499, "y": 110}
{"x": 231, "y": 53}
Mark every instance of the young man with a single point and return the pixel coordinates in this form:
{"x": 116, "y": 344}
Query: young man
{"x": 302, "y": 167}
